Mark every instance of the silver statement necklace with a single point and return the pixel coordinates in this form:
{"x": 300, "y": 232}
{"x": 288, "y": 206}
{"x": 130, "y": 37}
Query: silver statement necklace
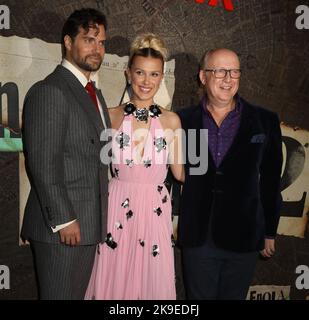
{"x": 142, "y": 114}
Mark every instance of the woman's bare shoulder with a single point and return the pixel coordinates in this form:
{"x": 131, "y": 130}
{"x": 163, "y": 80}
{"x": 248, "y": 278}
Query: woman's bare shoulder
{"x": 171, "y": 118}
{"x": 116, "y": 110}
{"x": 116, "y": 115}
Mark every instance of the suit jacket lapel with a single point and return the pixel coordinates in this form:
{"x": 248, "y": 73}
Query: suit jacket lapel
{"x": 104, "y": 108}
{"x": 82, "y": 98}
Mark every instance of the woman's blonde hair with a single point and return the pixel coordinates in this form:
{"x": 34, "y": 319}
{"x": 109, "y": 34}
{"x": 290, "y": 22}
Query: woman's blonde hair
{"x": 148, "y": 45}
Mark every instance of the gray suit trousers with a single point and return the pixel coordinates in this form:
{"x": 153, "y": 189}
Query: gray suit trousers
{"x": 63, "y": 272}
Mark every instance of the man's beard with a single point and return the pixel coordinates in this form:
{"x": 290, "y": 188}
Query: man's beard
{"x": 84, "y": 65}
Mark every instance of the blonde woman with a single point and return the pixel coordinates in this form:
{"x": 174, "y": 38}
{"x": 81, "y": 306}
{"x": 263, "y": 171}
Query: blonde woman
{"x": 137, "y": 260}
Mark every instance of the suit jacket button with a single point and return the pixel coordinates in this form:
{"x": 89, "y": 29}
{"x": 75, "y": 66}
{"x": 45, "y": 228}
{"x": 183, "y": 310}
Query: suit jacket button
{"x": 92, "y": 141}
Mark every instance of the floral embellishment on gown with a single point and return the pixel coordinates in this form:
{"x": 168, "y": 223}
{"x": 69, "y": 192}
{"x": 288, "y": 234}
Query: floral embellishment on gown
{"x": 155, "y": 250}
{"x": 147, "y": 163}
{"x": 167, "y": 184}
{"x": 160, "y": 188}
{"x": 160, "y": 144}
{"x": 110, "y": 241}
{"x": 141, "y": 242}
{"x": 125, "y": 203}
{"x": 116, "y": 173}
{"x": 158, "y": 211}
{"x": 164, "y": 200}
{"x": 123, "y": 140}
{"x": 118, "y": 225}
{"x": 129, "y": 214}
{"x": 129, "y": 163}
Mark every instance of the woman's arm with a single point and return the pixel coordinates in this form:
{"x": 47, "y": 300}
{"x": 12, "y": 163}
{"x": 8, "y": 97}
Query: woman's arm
{"x": 175, "y": 154}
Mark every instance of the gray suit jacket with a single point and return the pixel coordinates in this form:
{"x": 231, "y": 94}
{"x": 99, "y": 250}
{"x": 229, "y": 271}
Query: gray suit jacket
{"x": 61, "y": 136}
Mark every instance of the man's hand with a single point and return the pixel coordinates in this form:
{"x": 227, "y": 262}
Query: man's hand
{"x": 70, "y": 235}
{"x": 269, "y": 248}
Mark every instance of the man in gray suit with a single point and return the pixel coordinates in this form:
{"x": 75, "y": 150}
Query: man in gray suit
{"x": 64, "y": 115}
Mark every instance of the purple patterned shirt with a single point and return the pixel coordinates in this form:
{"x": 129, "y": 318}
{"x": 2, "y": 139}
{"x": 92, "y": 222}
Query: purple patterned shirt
{"x": 221, "y": 138}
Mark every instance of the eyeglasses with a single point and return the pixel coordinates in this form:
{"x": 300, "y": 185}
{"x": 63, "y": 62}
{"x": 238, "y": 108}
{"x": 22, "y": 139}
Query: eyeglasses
{"x": 221, "y": 73}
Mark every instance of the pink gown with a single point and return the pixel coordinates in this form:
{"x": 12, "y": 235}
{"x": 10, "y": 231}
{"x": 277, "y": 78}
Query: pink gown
{"x": 137, "y": 260}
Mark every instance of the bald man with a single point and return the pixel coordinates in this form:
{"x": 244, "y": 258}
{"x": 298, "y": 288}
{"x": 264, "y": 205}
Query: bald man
{"x": 230, "y": 213}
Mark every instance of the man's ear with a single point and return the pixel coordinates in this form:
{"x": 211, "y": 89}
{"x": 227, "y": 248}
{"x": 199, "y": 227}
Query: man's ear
{"x": 68, "y": 42}
{"x": 202, "y": 77}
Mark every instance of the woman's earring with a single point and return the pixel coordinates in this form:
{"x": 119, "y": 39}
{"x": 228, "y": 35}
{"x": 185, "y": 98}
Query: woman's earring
{"x": 129, "y": 82}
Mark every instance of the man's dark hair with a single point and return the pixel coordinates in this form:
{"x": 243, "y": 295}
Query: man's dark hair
{"x": 84, "y": 18}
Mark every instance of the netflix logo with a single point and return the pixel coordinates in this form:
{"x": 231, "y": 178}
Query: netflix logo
{"x": 228, "y": 4}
